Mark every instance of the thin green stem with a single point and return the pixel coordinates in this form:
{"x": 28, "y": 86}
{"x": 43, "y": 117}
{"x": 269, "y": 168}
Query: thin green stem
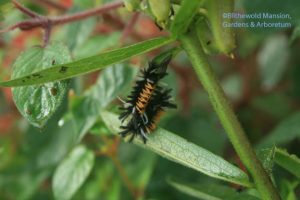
{"x": 227, "y": 117}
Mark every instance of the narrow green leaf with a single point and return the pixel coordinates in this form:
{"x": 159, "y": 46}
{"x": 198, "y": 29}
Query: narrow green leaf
{"x": 38, "y": 103}
{"x": 72, "y": 172}
{"x": 87, "y": 65}
{"x": 211, "y": 191}
{"x": 289, "y": 162}
{"x": 184, "y": 16}
{"x": 177, "y": 149}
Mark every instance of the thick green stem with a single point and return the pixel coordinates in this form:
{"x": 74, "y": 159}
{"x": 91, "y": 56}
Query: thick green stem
{"x": 227, "y": 117}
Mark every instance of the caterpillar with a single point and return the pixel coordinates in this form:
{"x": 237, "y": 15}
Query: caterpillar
{"x": 144, "y": 87}
{"x": 137, "y": 126}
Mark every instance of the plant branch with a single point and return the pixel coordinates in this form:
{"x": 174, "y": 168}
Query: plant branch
{"x": 44, "y": 21}
{"x": 25, "y": 10}
{"x": 227, "y": 117}
{"x": 85, "y": 14}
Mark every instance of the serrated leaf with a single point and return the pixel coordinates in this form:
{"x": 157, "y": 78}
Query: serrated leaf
{"x": 72, "y": 172}
{"x": 289, "y": 162}
{"x": 38, "y": 103}
{"x": 210, "y": 191}
{"x": 179, "y": 150}
{"x": 284, "y": 132}
{"x": 87, "y": 65}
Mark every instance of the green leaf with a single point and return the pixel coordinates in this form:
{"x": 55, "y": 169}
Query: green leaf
{"x": 272, "y": 60}
{"x": 289, "y": 162}
{"x": 72, "y": 172}
{"x": 284, "y": 132}
{"x": 288, "y": 189}
{"x": 99, "y": 128}
{"x": 210, "y": 191}
{"x": 38, "y": 103}
{"x": 144, "y": 165}
{"x": 87, "y": 65}
{"x": 184, "y": 16}
{"x": 96, "y": 45}
{"x": 177, "y": 149}
{"x": 104, "y": 182}
{"x": 77, "y": 33}
{"x": 54, "y": 145}
{"x": 266, "y": 157}
{"x": 22, "y": 184}
{"x": 111, "y": 82}
{"x": 83, "y": 116}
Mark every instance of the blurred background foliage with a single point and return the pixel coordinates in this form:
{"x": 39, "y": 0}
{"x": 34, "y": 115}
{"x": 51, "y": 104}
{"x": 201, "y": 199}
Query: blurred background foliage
{"x": 262, "y": 82}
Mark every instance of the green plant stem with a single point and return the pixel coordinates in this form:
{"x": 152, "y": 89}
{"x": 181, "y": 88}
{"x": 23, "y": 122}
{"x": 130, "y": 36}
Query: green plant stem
{"x": 227, "y": 117}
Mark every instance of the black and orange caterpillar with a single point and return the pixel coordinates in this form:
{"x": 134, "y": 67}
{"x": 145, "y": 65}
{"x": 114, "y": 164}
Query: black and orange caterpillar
{"x": 144, "y": 88}
{"x": 148, "y": 100}
{"x": 137, "y": 126}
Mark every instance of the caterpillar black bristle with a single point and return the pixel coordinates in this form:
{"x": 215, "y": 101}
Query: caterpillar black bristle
{"x": 141, "y": 125}
{"x": 148, "y": 101}
{"x": 139, "y": 98}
